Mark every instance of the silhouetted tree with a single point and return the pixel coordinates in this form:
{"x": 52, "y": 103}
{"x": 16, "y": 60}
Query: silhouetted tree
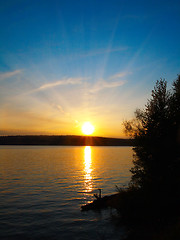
{"x": 156, "y": 132}
{"x": 152, "y": 199}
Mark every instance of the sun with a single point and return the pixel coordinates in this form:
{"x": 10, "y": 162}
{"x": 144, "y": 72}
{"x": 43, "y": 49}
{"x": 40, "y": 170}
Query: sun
{"x": 87, "y": 128}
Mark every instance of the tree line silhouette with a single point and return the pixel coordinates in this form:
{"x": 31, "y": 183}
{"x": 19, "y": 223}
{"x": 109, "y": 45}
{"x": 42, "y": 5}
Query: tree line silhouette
{"x": 151, "y": 202}
{"x": 64, "y": 140}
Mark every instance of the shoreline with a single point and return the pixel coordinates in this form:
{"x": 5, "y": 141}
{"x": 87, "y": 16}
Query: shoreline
{"x": 43, "y": 140}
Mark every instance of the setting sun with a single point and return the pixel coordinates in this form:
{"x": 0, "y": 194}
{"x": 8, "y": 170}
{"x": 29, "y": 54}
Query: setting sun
{"x": 87, "y": 128}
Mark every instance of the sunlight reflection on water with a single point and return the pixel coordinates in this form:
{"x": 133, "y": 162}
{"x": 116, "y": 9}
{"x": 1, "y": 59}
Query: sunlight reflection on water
{"x": 42, "y": 189}
{"x": 87, "y": 169}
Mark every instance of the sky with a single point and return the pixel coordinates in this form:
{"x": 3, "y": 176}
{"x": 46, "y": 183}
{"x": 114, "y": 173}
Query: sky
{"x": 66, "y": 62}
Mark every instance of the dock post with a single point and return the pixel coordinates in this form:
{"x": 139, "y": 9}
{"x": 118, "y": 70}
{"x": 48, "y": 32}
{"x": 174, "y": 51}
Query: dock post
{"x": 99, "y": 192}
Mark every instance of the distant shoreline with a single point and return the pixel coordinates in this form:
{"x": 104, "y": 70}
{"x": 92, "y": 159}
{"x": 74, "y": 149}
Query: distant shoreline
{"x": 60, "y": 140}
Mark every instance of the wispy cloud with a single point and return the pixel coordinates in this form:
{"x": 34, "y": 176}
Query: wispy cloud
{"x": 60, "y": 109}
{"x": 104, "y": 84}
{"x": 67, "y": 81}
{"x": 110, "y": 83}
{"x": 9, "y": 74}
{"x": 119, "y": 75}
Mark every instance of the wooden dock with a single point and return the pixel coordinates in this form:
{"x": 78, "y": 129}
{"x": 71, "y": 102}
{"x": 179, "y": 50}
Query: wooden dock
{"x": 103, "y": 202}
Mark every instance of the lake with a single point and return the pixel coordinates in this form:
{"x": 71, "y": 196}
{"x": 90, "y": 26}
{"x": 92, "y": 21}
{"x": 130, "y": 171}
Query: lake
{"x": 43, "y": 187}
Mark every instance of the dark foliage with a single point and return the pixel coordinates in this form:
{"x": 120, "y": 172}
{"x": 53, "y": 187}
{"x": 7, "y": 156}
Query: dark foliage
{"x": 152, "y": 200}
{"x": 156, "y": 132}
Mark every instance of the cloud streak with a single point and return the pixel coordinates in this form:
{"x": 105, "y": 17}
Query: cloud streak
{"x": 60, "y": 109}
{"x": 9, "y": 74}
{"x": 119, "y": 75}
{"x": 68, "y": 81}
{"x": 104, "y": 84}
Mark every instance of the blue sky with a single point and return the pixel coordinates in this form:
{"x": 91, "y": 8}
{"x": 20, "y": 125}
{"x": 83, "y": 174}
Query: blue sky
{"x": 66, "y": 62}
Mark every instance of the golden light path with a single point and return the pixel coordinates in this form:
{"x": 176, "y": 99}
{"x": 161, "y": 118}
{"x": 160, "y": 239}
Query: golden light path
{"x": 87, "y": 169}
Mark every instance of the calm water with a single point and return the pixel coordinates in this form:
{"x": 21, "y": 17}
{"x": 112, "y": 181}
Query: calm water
{"x": 42, "y": 189}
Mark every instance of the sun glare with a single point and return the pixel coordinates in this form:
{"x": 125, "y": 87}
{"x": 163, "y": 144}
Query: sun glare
{"x": 87, "y": 128}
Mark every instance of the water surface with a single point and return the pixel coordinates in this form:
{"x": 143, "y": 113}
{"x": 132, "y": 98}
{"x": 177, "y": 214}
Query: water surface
{"x": 42, "y": 189}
